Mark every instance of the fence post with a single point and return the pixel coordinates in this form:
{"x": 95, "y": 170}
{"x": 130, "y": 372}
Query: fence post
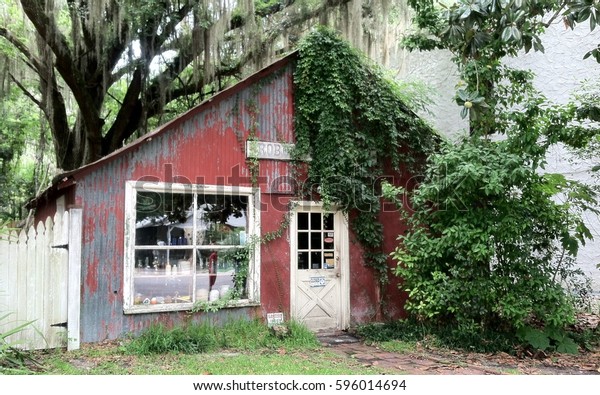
{"x": 74, "y": 284}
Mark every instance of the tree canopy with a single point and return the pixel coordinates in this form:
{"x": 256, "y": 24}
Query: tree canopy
{"x": 105, "y": 71}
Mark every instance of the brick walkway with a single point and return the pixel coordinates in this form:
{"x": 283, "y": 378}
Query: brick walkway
{"x": 438, "y": 362}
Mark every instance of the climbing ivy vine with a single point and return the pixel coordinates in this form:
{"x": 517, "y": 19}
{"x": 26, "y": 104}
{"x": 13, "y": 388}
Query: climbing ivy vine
{"x": 353, "y": 124}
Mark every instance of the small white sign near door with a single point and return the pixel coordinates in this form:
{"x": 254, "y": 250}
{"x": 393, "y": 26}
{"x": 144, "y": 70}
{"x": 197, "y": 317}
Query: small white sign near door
{"x": 274, "y": 319}
{"x": 318, "y": 281}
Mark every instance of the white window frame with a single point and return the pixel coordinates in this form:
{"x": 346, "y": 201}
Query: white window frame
{"x": 253, "y": 235}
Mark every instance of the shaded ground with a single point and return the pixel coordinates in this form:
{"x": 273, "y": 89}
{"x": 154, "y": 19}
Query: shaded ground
{"x": 426, "y": 361}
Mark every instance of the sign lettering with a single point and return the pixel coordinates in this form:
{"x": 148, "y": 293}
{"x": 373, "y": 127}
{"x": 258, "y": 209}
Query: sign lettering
{"x": 268, "y": 150}
{"x": 274, "y": 319}
{"x": 317, "y": 281}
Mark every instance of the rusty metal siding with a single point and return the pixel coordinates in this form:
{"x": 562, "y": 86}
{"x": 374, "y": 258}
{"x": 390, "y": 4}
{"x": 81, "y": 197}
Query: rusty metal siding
{"x": 208, "y": 147}
{"x": 274, "y": 100}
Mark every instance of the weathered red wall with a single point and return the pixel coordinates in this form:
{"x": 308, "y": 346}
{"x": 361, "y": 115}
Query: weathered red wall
{"x": 369, "y": 302}
{"x": 204, "y": 146}
{"x": 275, "y": 258}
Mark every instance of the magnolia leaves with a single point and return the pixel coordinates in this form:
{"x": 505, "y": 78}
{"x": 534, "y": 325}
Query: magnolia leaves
{"x": 580, "y": 11}
{"x": 595, "y": 53}
{"x": 474, "y": 25}
{"x": 471, "y": 102}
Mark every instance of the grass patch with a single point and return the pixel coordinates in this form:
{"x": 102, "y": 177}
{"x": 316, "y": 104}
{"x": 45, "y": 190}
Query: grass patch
{"x": 238, "y": 347}
{"x": 205, "y": 337}
{"x": 293, "y": 363}
{"x": 399, "y": 346}
{"x": 14, "y": 360}
{"x": 263, "y": 362}
{"x": 158, "y": 339}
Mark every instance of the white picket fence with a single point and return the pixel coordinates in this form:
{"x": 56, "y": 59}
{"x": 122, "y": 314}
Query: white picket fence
{"x": 39, "y": 283}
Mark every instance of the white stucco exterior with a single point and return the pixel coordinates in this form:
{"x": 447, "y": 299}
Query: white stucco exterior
{"x": 559, "y": 73}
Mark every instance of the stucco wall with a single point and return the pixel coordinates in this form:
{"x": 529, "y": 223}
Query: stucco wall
{"x": 559, "y": 73}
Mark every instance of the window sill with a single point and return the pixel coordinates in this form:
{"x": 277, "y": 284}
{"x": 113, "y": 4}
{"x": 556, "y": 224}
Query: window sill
{"x": 173, "y": 307}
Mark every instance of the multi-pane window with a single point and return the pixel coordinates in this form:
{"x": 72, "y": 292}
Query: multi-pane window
{"x": 315, "y": 241}
{"x": 188, "y": 244}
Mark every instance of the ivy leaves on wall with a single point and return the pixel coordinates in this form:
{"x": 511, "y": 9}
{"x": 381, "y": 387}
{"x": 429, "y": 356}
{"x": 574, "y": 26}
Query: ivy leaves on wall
{"x": 352, "y": 122}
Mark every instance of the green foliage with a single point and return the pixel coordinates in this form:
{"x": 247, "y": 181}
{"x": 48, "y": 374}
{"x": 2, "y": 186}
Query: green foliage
{"x": 485, "y": 217}
{"x": 18, "y": 130}
{"x": 548, "y": 339}
{"x": 214, "y": 305}
{"x": 481, "y": 29}
{"x": 12, "y": 358}
{"x": 298, "y": 337}
{"x": 244, "y": 357}
{"x": 267, "y": 7}
{"x": 241, "y": 257}
{"x": 471, "y": 102}
{"x": 158, "y": 339}
{"x": 479, "y": 33}
{"x": 355, "y": 127}
{"x": 579, "y": 11}
{"x": 587, "y": 107}
{"x": 204, "y": 337}
{"x": 410, "y": 331}
{"x": 119, "y": 68}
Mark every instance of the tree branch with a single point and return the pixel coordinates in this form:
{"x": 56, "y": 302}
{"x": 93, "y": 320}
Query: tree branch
{"x": 22, "y": 48}
{"x": 293, "y": 16}
{"x": 556, "y": 14}
{"x": 77, "y": 19}
{"x": 170, "y": 27}
{"x": 27, "y": 93}
{"x": 65, "y": 63}
{"x": 124, "y": 121}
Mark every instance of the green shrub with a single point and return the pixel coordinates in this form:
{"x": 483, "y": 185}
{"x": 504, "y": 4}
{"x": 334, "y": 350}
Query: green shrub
{"x": 493, "y": 239}
{"x": 489, "y": 245}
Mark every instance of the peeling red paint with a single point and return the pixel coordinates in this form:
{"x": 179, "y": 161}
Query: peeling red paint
{"x": 264, "y": 99}
{"x": 91, "y": 277}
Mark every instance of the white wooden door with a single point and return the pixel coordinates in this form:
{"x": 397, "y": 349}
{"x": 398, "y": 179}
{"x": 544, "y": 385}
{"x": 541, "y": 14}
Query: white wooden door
{"x": 319, "y": 261}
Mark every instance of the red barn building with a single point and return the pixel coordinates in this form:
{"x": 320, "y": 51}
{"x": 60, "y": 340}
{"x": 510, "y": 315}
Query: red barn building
{"x": 167, "y": 221}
